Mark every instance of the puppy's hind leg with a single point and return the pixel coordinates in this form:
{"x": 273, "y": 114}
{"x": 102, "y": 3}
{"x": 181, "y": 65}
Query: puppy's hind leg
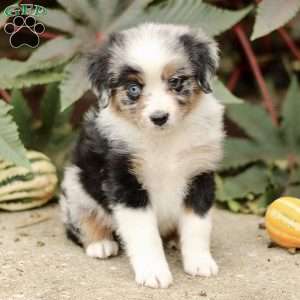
{"x": 86, "y": 221}
{"x": 97, "y": 238}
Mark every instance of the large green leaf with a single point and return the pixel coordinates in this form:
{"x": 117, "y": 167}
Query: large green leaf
{"x": 272, "y": 14}
{"x": 106, "y": 10}
{"x": 223, "y": 94}
{"x": 51, "y": 54}
{"x": 239, "y": 152}
{"x": 50, "y": 108}
{"x": 82, "y": 10}
{"x": 253, "y": 181}
{"x": 129, "y": 16}
{"x": 195, "y": 13}
{"x": 75, "y": 83}
{"x": 22, "y": 115}
{"x": 32, "y": 78}
{"x": 10, "y": 69}
{"x": 58, "y": 19}
{"x": 11, "y": 148}
{"x": 291, "y": 116}
{"x": 255, "y": 121}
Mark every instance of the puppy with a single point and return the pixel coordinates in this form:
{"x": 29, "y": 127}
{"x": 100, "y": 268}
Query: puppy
{"x": 144, "y": 164}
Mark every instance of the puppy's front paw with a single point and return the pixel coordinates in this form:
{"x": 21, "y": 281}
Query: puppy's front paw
{"x": 102, "y": 249}
{"x": 200, "y": 265}
{"x": 153, "y": 275}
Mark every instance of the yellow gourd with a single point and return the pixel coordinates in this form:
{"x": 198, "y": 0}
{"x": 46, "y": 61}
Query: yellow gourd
{"x": 283, "y": 222}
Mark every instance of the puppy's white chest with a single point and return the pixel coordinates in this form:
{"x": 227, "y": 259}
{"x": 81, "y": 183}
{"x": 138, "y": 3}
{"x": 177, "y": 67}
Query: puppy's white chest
{"x": 165, "y": 183}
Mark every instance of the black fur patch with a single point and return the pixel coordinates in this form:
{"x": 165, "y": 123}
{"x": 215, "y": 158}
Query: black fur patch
{"x": 106, "y": 174}
{"x": 122, "y": 186}
{"x": 201, "y": 193}
{"x": 73, "y": 237}
{"x": 203, "y": 64}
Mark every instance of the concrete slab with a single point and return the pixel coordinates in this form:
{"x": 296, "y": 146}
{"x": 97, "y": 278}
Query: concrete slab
{"x": 38, "y": 262}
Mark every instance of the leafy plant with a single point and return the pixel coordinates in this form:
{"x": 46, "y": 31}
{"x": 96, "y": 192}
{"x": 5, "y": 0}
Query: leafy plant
{"x": 52, "y": 133}
{"x": 272, "y": 15}
{"x": 266, "y": 165}
{"x": 11, "y": 148}
{"x": 258, "y": 167}
{"x": 84, "y": 24}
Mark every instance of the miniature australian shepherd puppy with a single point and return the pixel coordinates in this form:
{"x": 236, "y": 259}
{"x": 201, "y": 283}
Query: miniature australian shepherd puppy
{"x": 143, "y": 167}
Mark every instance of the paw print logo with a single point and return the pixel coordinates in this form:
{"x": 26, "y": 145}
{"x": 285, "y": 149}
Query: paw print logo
{"x": 24, "y": 31}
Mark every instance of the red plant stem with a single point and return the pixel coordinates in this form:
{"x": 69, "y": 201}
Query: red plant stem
{"x": 234, "y": 78}
{"x": 99, "y": 37}
{"x": 5, "y": 95}
{"x": 267, "y": 99}
{"x": 289, "y": 42}
{"x": 49, "y": 35}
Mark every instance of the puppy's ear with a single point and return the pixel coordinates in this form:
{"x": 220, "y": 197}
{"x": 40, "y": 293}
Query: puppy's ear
{"x": 99, "y": 72}
{"x": 98, "y": 75}
{"x": 203, "y": 55}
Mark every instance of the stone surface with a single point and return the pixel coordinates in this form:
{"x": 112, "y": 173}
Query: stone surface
{"x": 38, "y": 262}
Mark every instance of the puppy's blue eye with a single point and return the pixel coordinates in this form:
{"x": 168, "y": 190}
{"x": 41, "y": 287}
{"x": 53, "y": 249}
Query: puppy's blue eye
{"x": 134, "y": 90}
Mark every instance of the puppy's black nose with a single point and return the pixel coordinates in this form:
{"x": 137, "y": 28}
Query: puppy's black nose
{"x": 159, "y": 118}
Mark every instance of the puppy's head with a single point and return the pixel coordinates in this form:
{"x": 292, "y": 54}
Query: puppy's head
{"x": 154, "y": 75}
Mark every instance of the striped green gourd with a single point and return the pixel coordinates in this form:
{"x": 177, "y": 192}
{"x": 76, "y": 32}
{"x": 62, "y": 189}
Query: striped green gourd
{"x": 21, "y": 188}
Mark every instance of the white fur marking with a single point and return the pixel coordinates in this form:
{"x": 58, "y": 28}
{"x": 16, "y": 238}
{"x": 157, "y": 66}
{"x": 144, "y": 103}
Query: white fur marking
{"x": 138, "y": 229}
{"x": 195, "y": 245}
{"x": 102, "y": 249}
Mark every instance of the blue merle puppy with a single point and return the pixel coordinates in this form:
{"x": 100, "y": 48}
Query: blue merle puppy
{"x": 143, "y": 167}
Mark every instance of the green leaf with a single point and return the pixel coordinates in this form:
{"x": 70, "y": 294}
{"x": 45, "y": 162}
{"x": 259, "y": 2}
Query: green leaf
{"x": 278, "y": 178}
{"x": 106, "y": 10}
{"x": 58, "y": 19}
{"x": 252, "y": 181}
{"x": 81, "y": 10}
{"x": 75, "y": 83}
{"x": 211, "y": 19}
{"x": 295, "y": 176}
{"x": 223, "y": 94}
{"x": 272, "y": 15}
{"x": 291, "y": 116}
{"x": 129, "y": 16}
{"x": 11, "y": 68}
{"x": 293, "y": 191}
{"x": 239, "y": 152}
{"x": 11, "y": 148}
{"x": 22, "y": 115}
{"x": 50, "y": 108}
{"x": 50, "y": 117}
{"x": 257, "y": 206}
{"x": 234, "y": 205}
{"x": 53, "y": 53}
{"x": 32, "y": 78}
{"x": 256, "y": 123}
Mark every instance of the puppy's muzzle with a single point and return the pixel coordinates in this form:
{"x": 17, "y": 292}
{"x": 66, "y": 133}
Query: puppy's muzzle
{"x": 159, "y": 118}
